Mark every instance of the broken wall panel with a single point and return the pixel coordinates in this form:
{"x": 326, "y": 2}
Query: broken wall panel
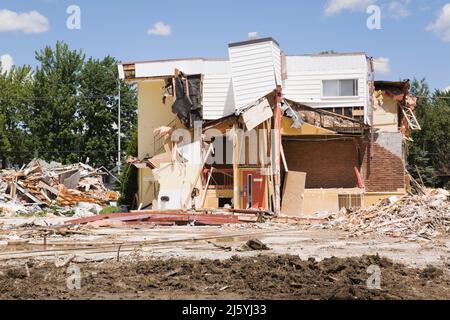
{"x": 293, "y": 193}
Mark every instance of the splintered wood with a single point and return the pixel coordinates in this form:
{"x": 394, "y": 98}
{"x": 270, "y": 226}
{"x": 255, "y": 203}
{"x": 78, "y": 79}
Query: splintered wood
{"x": 46, "y": 183}
{"x": 412, "y": 217}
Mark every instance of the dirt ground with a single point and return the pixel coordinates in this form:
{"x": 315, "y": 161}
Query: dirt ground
{"x": 266, "y": 276}
{"x": 191, "y": 262}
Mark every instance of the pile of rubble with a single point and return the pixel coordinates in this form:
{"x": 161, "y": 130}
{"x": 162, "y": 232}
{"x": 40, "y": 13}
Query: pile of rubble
{"x": 42, "y": 184}
{"x": 412, "y": 217}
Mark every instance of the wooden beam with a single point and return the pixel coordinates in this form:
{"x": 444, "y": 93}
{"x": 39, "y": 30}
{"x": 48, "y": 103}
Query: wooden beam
{"x": 277, "y": 150}
{"x": 236, "y": 193}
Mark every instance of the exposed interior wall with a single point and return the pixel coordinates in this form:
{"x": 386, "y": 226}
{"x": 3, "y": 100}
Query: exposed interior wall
{"x": 213, "y": 197}
{"x": 324, "y": 200}
{"x": 152, "y": 113}
{"x": 305, "y": 129}
{"x": 327, "y": 164}
{"x": 371, "y": 198}
{"x": 385, "y": 171}
{"x": 385, "y": 117}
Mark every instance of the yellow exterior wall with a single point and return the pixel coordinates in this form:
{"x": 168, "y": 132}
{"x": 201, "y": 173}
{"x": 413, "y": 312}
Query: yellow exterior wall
{"x": 385, "y": 117}
{"x": 372, "y": 198}
{"x": 306, "y": 129}
{"x": 324, "y": 200}
{"x": 152, "y": 113}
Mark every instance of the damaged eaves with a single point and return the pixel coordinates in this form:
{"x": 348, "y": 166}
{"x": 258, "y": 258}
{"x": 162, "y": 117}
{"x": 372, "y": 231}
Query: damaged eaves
{"x": 399, "y": 91}
{"x": 328, "y": 120}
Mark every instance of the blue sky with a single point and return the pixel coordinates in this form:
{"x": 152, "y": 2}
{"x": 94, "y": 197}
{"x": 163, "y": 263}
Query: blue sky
{"x": 414, "y": 39}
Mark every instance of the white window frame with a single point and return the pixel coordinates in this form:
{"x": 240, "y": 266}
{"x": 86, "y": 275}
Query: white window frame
{"x": 339, "y": 88}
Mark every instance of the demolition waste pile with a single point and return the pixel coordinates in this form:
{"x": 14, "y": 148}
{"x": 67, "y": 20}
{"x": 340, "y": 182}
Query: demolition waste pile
{"x": 415, "y": 217}
{"x": 65, "y": 190}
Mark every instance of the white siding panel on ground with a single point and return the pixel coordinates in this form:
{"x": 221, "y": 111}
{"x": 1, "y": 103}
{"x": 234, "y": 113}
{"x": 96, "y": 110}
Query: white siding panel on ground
{"x": 306, "y": 73}
{"x": 255, "y": 69}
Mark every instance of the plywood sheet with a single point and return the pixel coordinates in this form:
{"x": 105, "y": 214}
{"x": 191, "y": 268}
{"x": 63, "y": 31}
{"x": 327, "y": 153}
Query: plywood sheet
{"x": 294, "y": 192}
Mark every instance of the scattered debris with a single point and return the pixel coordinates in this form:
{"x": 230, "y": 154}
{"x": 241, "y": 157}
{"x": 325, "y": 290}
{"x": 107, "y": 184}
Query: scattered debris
{"x": 41, "y": 184}
{"x": 61, "y": 263}
{"x": 175, "y": 217}
{"x": 253, "y": 245}
{"x": 413, "y": 217}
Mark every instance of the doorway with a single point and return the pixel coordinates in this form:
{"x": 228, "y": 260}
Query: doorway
{"x": 254, "y": 189}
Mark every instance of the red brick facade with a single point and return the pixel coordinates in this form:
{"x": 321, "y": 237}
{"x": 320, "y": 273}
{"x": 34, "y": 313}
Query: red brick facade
{"x": 385, "y": 172}
{"x": 328, "y": 164}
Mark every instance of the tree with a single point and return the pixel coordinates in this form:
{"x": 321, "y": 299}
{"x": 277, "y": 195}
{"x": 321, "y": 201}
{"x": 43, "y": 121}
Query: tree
{"x": 129, "y": 177}
{"x": 430, "y": 151}
{"x": 74, "y": 110}
{"x": 54, "y": 121}
{"x": 15, "y": 98}
{"x": 98, "y": 111}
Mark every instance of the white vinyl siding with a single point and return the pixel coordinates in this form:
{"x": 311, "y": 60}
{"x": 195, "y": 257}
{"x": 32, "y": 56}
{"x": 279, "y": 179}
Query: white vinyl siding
{"x": 255, "y": 69}
{"x": 218, "y": 99}
{"x": 305, "y": 76}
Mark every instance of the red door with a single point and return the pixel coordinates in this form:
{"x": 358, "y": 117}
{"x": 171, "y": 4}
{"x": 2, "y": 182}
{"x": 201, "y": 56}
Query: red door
{"x": 254, "y": 184}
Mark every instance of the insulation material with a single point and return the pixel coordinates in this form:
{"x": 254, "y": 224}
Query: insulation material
{"x": 256, "y": 115}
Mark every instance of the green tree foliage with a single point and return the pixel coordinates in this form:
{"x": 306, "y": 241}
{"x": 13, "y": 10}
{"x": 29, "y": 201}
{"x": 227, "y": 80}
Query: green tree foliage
{"x": 15, "y": 98}
{"x": 54, "y": 122}
{"x": 129, "y": 177}
{"x": 430, "y": 151}
{"x": 98, "y": 111}
{"x": 66, "y": 110}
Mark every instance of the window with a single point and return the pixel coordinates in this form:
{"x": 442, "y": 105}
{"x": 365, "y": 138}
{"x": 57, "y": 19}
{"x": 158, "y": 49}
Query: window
{"x": 340, "y": 88}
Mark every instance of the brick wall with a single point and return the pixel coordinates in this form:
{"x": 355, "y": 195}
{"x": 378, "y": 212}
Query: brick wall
{"x": 384, "y": 172}
{"x": 328, "y": 164}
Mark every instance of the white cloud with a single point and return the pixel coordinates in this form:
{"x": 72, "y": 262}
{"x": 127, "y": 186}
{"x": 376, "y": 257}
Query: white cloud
{"x": 382, "y": 65}
{"x": 441, "y": 27}
{"x": 334, "y": 7}
{"x": 160, "y": 29}
{"x": 399, "y": 9}
{"x": 26, "y": 22}
{"x": 6, "y": 62}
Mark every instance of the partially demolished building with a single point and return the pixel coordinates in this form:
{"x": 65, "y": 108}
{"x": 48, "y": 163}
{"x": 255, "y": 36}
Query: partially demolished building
{"x": 263, "y": 130}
